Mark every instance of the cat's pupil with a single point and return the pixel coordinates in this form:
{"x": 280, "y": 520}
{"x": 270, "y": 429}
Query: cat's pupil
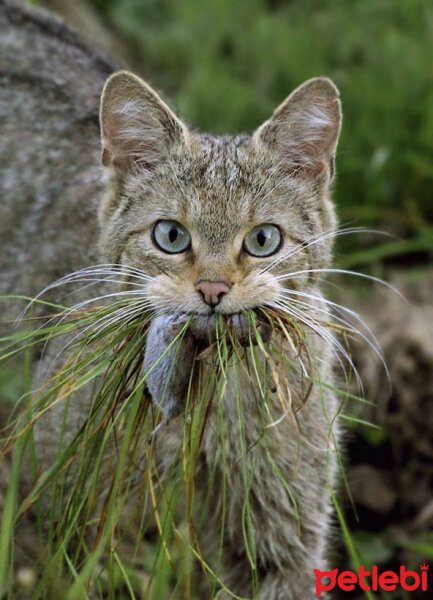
{"x": 261, "y": 238}
{"x": 172, "y": 234}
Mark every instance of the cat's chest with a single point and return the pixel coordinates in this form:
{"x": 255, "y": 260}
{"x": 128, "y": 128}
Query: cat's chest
{"x": 238, "y": 415}
{"x": 251, "y": 408}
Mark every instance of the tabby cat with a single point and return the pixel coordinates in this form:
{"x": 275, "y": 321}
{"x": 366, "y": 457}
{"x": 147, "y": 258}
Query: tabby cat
{"x": 222, "y": 225}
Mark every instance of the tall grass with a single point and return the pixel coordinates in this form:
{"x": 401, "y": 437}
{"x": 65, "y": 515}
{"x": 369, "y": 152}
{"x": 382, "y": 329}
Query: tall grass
{"x": 118, "y": 508}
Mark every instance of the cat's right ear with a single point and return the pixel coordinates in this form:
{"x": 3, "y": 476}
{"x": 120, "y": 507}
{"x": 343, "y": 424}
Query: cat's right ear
{"x": 137, "y": 127}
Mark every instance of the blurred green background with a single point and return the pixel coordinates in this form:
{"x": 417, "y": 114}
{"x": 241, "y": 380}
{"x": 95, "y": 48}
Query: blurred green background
{"x": 225, "y": 65}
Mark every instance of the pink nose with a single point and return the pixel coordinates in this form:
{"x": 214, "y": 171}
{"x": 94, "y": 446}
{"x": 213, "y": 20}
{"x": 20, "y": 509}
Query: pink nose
{"x": 212, "y": 291}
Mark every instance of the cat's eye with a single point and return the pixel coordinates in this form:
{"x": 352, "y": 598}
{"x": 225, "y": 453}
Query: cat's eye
{"x": 263, "y": 240}
{"x": 171, "y": 237}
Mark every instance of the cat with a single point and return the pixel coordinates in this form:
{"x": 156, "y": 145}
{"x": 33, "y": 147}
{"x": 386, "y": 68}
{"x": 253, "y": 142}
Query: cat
{"x": 214, "y": 221}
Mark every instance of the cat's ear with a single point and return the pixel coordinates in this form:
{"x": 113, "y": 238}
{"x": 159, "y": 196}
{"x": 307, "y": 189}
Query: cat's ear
{"x": 137, "y": 127}
{"x": 303, "y": 131}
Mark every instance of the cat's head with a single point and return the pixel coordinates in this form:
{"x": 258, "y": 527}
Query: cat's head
{"x": 220, "y": 223}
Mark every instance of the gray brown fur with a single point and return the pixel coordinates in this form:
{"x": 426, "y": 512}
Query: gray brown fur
{"x": 52, "y": 187}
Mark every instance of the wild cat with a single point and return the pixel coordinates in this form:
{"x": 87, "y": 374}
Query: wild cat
{"x": 223, "y": 225}
{"x": 220, "y": 225}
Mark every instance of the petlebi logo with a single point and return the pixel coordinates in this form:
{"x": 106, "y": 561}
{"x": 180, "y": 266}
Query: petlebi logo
{"x": 372, "y": 580}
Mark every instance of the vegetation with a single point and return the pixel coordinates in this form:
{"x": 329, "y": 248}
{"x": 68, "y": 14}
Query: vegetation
{"x": 112, "y": 481}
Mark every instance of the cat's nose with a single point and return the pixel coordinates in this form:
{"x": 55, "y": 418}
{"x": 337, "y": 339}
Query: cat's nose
{"x": 212, "y": 291}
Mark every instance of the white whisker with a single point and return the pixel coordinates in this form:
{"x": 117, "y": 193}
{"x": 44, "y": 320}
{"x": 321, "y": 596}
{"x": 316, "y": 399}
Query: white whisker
{"x": 343, "y": 272}
{"x": 339, "y": 307}
{"x": 332, "y": 233}
{"x": 122, "y": 315}
{"x": 337, "y": 349}
{"x": 373, "y": 345}
{"x": 108, "y": 271}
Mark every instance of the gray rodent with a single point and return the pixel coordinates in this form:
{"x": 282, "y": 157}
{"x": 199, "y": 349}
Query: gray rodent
{"x": 171, "y": 349}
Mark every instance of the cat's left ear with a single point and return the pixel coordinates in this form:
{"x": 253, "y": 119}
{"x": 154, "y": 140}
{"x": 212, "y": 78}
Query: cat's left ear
{"x": 303, "y": 131}
{"x": 137, "y": 127}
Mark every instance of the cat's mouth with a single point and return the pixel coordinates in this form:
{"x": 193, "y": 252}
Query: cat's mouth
{"x": 236, "y": 327}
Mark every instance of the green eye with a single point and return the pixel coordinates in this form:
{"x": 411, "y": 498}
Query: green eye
{"x": 263, "y": 240}
{"x": 171, "y": 237}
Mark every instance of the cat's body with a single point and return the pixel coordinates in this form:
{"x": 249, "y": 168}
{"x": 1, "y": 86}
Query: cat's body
{"x": 290, "y": 530}
{"x": 216, "y": 191}
{"x": 219, "y": 189}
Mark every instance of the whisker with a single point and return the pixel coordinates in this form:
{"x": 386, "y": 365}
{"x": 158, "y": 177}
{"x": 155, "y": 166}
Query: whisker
{"x": 109, "y": 270}
{"x": 338, "y": 350}
{"x": 345, "y": 272}
{"x": 339, "y": 307}
{"x": 331, "y": 233}
{"x": 125, "y": 314}
{"x": 350, "y": 329}
{"x": 98, "y": 327}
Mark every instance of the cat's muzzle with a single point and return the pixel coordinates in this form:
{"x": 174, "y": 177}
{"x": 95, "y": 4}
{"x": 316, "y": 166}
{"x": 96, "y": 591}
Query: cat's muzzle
{"x": 236, "y": 328}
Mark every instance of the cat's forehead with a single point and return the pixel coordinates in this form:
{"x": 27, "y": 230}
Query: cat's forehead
{"x": 217, "y": 165}
{"x": 219, "y": 180}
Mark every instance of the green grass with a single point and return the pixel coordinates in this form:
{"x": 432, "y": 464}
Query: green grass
{"x": 84, "y": 503}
